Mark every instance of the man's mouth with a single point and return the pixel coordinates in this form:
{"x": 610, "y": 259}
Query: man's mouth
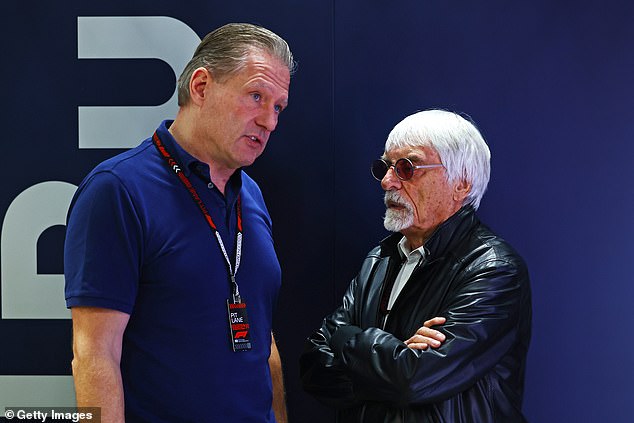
{"x": 394, "y": 205}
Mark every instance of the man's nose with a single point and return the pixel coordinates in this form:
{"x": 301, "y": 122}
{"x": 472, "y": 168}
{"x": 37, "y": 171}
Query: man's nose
{"x": 267, "y": 119}
{"x": 390, "y": 181}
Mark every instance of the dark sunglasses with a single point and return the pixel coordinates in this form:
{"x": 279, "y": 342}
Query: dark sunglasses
{"x": 404, "y": 168}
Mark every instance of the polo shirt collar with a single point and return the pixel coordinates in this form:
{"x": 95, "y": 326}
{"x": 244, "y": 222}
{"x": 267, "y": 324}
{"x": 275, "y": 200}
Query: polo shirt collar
{"x": 182, "y": 157}
{"x": 189, "y": 162}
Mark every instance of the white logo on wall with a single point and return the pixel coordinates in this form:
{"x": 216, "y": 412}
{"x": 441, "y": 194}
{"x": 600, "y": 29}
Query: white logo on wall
{"x": 25, "y": 293}
{"x": 161, "y": 38}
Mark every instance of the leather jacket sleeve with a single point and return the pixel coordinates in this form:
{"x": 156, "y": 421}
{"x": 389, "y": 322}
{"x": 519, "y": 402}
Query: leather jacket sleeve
{"x": 485, "y": 305}
{"x": 323, "y": 375}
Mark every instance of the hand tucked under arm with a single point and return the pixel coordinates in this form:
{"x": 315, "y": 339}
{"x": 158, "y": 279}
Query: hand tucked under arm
{"x": 426, "y": 336}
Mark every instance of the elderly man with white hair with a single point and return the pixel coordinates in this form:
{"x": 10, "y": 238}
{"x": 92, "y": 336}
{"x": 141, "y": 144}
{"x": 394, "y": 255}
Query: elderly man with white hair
{"x": 436, "y": 325}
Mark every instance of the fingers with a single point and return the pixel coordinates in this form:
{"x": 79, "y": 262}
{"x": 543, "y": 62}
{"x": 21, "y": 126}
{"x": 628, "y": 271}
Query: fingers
{"x": 422, "y": 340}
{"x": 426, "y": 337}
{"x": 416, "y": 343}
{"x": 434, "y": 322}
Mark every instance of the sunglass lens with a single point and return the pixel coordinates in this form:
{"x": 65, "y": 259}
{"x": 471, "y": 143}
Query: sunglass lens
{"x": 404, "y": 169}
{"x": 379, "y": 169}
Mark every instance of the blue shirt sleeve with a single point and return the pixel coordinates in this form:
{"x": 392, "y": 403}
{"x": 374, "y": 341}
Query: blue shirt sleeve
{"x": 103, "y": 245}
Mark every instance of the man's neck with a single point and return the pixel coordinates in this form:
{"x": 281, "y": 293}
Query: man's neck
{"x": 218, "y": 174}
{"x": 416, "y": 239}
{"x": 417, "y": 236}
{"x": 414, "y": 244}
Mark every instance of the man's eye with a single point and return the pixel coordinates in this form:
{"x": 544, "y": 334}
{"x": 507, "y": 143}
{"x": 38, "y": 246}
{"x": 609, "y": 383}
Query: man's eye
{"x": 256, "y": 96}
{"x": 278, "y": 109}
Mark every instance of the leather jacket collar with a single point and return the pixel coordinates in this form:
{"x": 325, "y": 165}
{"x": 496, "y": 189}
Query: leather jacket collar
{"x": 444, "y": 237}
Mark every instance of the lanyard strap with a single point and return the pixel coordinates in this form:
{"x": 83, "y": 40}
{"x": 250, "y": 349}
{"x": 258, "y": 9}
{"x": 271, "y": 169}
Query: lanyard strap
{"x": 173, "y": 165}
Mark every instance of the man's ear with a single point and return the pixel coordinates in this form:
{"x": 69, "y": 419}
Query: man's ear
{"x": 200, "y": 79}
{"x": 460, "y": 190}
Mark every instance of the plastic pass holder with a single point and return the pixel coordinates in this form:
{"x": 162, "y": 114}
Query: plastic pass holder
{"x": 239, "y": 326}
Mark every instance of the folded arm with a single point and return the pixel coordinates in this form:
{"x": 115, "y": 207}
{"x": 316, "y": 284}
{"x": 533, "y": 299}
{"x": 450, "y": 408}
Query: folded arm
{"x": 372, "y": 364}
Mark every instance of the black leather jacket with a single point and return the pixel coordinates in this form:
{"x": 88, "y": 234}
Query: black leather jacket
{"x": 470, "y": 276}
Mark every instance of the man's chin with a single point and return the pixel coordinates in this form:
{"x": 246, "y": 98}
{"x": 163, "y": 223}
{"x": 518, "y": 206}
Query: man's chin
{"x": 396, "y": 222}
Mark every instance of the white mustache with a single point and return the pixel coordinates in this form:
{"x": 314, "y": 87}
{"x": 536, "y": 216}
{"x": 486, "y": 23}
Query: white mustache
{"x": 395, "y": 197}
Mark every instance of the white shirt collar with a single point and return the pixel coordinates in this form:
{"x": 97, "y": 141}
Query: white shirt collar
{"x": 405, "y": 251}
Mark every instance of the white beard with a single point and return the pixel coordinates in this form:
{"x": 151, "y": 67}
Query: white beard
{"x": 397, "y": 220}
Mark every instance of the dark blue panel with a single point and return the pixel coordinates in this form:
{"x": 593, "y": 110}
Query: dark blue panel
{"x": 549, "y": 84}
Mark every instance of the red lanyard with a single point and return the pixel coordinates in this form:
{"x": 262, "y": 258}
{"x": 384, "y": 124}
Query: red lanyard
{"x": 173, "y": 165}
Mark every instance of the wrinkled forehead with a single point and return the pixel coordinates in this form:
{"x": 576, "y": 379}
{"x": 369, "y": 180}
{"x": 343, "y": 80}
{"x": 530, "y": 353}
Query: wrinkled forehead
{"x": 414, "y": 153}
{"x": 270, "y": 67}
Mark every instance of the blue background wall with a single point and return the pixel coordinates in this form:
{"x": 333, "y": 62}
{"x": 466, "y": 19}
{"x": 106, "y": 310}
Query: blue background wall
{"x": 549, "y": 84}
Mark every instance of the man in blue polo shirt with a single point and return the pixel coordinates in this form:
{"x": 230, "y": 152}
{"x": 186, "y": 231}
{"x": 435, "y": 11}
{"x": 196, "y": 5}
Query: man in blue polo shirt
{"x": 171, "y": 273}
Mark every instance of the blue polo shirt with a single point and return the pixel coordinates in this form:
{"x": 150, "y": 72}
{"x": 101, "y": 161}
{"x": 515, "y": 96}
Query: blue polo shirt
{"x": 136, "y": 242}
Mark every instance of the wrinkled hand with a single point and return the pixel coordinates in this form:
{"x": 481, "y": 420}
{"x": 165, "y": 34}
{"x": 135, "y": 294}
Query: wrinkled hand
{"x": 426, "y": 337}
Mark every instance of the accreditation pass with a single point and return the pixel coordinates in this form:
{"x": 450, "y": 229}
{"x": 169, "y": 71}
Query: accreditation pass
{"x": 239, "y": 325}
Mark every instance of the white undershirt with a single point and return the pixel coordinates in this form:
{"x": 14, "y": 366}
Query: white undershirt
{"x": 413, "y": 259}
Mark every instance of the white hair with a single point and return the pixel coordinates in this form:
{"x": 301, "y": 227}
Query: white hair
{"x": 461, "y": 148}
